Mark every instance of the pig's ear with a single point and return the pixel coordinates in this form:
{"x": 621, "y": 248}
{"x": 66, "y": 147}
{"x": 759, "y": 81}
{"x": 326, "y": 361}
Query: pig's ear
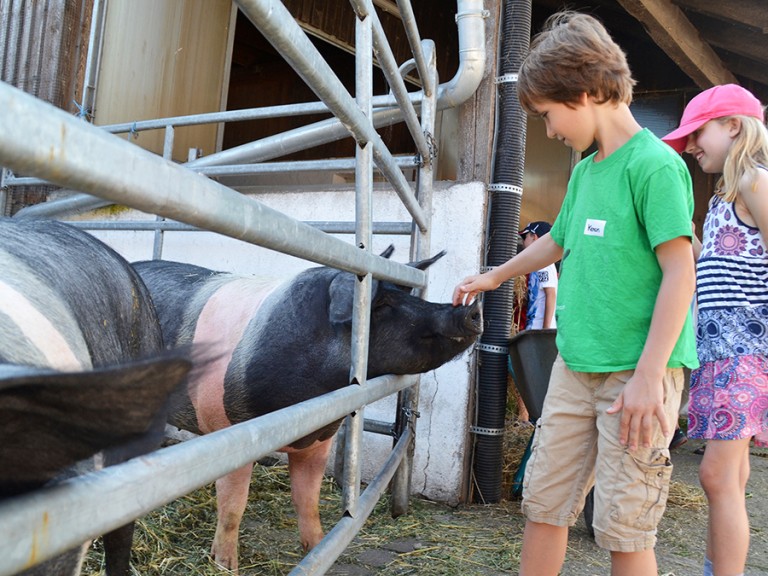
{"x": 341, "y": 292}
{"x": 424, "y": 264}
{"x": 388, "y": 252}
{"x": 421, "y": 265}
{"x": 69, "y": 416}
{"x": 341, "y": 295}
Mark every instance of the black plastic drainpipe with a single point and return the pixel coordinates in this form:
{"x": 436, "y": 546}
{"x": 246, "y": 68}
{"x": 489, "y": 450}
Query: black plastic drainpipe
{"x": 506, "y": 191}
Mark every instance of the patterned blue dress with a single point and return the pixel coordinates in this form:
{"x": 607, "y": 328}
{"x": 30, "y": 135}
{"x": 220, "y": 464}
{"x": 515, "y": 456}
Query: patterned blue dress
{"x": 729, "y": 392}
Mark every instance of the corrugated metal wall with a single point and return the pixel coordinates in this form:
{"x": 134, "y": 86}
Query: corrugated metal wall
{"x": 40, "y": 42}
{"x": 42, "y": 52}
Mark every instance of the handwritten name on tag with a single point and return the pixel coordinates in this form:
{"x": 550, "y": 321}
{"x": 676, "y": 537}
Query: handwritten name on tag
{"x": 594, "y": 227}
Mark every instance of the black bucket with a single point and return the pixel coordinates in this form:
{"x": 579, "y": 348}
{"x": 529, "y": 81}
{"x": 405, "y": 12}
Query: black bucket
{"x": 532, "y": 353}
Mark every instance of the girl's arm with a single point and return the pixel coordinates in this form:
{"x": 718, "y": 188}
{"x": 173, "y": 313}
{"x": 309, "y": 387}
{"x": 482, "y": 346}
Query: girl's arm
{"x": 695, "y": 242}
{"x": 754, "y": 195}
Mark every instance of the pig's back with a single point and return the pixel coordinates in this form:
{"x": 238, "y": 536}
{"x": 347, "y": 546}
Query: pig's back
{"x": 174, "y": 286}
{"x": 86, "y": 293}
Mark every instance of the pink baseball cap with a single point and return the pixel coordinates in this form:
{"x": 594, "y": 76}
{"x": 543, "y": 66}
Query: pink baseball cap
{"x": 715, "y": 102}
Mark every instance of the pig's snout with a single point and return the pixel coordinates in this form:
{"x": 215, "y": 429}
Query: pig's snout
{"x": 473, "y": 318}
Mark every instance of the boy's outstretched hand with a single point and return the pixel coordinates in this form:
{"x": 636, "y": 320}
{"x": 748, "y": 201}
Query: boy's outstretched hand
{"x": 471, "y": 286}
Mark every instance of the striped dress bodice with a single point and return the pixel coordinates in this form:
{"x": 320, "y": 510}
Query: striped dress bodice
{"x": 731, "y": 287}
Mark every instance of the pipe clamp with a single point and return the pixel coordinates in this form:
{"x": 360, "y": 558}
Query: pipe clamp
{"x": 492, "y": 348}
{"x": 499, "y": 187}
{"x": 505, "y": 78}
{"x": 467, "y": 13}
{"x": 486, "y": 431}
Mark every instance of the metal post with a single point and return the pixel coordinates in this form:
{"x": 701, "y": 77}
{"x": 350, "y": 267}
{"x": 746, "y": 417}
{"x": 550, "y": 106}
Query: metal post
{"x": 3, "y": 192}
{"x": 363, "y": 237}
{"x": 408, "y": 399}
{"x": 157, "y": 245}
{"x": 93, "y": 60}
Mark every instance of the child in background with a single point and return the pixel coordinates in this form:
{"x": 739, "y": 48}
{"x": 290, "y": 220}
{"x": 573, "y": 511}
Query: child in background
{"x": 723, "y": 129}
{"x": 542, "y": 284}
{"x": 624, "y": 332}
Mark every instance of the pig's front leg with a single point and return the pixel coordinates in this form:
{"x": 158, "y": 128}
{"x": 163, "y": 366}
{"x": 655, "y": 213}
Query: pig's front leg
{"x": 306, "y": 468}
{"x": 231, "y": 499}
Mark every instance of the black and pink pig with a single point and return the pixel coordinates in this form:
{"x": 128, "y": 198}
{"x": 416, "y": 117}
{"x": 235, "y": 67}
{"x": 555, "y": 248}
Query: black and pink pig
{"x": 280, "y": 343}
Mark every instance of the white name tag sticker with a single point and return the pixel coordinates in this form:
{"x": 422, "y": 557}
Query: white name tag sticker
{"x": 594, "y": 227}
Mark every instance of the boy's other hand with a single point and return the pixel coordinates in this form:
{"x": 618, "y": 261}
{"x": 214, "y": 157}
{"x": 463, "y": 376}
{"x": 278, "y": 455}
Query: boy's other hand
{"x": 640, "y": 402}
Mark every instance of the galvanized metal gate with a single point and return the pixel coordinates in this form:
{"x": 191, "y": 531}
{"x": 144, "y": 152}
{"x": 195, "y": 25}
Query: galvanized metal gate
{"x": 45, "y": 144}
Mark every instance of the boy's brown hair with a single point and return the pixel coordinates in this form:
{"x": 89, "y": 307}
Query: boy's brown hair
{"x": 574, "y": 54}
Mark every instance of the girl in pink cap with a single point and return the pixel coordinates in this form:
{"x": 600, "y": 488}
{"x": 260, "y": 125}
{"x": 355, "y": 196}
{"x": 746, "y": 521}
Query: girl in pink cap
{"x": 723, "y": 129}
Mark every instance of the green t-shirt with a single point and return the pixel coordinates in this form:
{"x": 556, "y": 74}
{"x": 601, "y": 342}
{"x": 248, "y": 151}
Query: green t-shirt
{"x": 614, "y": 215}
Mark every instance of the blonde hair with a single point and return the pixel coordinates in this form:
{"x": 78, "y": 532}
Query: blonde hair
{"x": 748, "y": 150}
{"x": 574, "y": 54}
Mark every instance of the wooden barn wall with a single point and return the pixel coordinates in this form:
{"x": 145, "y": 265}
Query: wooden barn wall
{"x": 334, "y": 20}
{"x": 168, "y": 58}
{"x": 260, "y": 77}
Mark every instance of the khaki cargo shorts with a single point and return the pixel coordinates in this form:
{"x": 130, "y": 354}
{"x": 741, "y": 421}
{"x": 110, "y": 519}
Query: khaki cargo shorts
{"x": 577, "y": 445}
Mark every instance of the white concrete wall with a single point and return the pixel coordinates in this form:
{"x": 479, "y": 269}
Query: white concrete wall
{"x": 443, "y": 441}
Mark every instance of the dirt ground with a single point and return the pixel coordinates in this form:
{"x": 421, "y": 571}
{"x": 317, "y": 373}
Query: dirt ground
{"x": 680, "y": 548}
{"x": 432, "y": 539}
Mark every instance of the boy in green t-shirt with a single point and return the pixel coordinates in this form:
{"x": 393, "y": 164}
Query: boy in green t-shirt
{"x": 623, "y": 306}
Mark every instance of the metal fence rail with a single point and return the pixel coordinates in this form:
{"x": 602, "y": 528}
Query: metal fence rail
{"x": 44, "y": 141}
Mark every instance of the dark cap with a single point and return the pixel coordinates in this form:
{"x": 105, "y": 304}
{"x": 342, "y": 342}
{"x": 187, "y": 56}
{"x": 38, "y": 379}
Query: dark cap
{"x": 539, "y": 228}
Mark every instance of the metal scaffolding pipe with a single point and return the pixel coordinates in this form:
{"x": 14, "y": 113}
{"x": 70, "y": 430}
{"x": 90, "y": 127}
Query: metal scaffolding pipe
{"x": 365, "y": 9}
{"x": 361, "y": 302}
{"x": 49, "y": 521}
{"x": 414, "y": 39}
{"x": 263, "y": 113}
{"x": 332, "y": 165}
{"x": 280, "y": 28}
{"x": 327, "y": 226}
{"x": 43, "y": 141}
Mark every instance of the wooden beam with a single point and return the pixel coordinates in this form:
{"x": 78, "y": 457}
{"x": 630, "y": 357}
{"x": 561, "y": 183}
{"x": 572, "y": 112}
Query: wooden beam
{"x": 679, "y": 39}
{"x": 746, "y": 42}
{"x": 388, "y": 6}
{"x": 751, "y": 13}
{"x": 747, "y": 68}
